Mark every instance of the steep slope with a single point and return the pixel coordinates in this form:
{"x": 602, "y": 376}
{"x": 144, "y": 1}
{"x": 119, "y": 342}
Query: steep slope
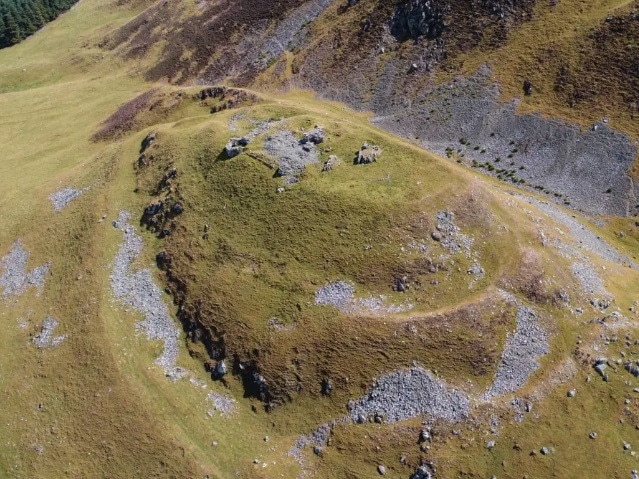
{"x": 396, "y": 59}
{"x": 212, "y": 281}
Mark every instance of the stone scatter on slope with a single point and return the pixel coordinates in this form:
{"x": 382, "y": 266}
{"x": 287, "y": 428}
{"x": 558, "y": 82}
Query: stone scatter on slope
{"x": 468, "y": 115}
{"x": 521, "y": 354}
{"x": 63, "y": 197}
{"x": 138, "y": 290}
{"x": 15, "y": 279}
{"x": 45, "y": 338}
{"x": 341, "y": 295}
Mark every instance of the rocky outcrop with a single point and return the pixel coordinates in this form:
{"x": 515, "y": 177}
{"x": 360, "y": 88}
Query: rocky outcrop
{"x": 418, "y": 18}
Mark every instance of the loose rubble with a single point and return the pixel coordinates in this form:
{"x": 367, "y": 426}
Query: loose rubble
{"x": 45, "y": 338}
{"x": 293, "y": 156}
{"x": 63, "y": 197}
{"x": 15, "y": 279}
{"x": 341, "y": 295}
{"x": 137, "y": 289}
{"x": 585, "y": 238}
{"x": 410, "y": 393}
{"x": 450, "y": 236}
{"x": 561, "y": 158}
{"x": 520, "y": 355}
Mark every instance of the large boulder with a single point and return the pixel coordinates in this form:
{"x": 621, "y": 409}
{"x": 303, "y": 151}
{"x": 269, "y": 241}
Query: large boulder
{"x": 235, "y": 146}
{"x": 367, "y": 154}
{"x": 315, "y": 136}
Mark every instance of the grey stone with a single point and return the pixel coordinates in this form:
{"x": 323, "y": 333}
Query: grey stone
{"x": 235, "y": 146}
{"x": 332, "y": 162}
{"x": 368, "y": 154}
{"x": 292, "y": 156}
{"x": 315, "y": 136}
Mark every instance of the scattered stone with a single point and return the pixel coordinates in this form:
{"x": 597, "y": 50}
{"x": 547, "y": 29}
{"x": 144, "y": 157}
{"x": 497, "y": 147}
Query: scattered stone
{"x": 225, "y": 405}
{"x": 381, "y": 469}
{"x": 490, "y": 445}
{"x": 235, "y": 146}
{"x": 425, "y": 435}
{"x": 476, "y": 270}
{"x": 571, "y": 393}
{"x": 545, "y": 451}
{"x": 138, "y": 290}
{"x": 63, "y": 197}
{"x": 367, "y": 154}
{"x": 451, "y": 237}
{"x": 45, "y": 339}
{"x": 15, "y": 279}
{"x": 341, "y": 295}
{"x": 417, "y": 18}
{"x": 592, "y": 435}
{"x": 338, "y": 294}
{"x": 626, "y": 446}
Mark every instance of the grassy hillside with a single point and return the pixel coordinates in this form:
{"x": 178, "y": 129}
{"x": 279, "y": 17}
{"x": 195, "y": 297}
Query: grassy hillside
{"x": 243, "y": 288}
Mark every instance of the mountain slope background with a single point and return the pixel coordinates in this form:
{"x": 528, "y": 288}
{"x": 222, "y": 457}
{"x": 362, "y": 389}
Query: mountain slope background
{"x": 244, "y": 263}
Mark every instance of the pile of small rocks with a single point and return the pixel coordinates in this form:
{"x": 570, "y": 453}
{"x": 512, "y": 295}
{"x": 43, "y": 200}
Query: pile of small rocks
{"x": 410, "y": 393}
